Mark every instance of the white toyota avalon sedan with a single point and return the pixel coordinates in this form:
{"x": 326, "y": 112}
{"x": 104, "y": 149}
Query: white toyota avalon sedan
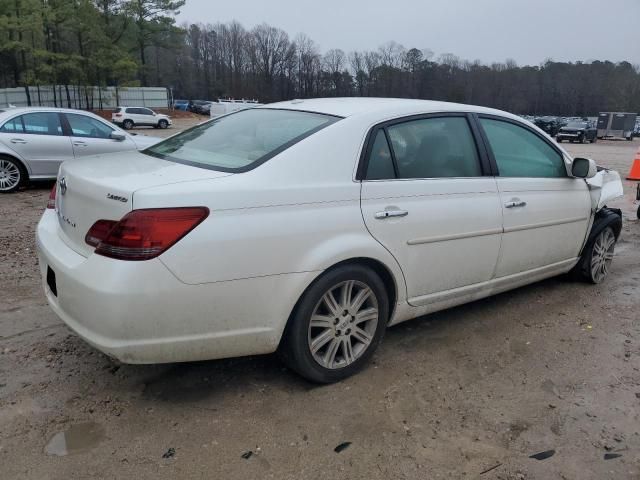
{"x": 308, "y": 227}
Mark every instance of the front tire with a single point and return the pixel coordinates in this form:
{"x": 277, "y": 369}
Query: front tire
{"x": 337, "y": 324}
{"x": 12, "y": 175}
{"x": 163, "y": 124}
{"x": 598, "y": 256}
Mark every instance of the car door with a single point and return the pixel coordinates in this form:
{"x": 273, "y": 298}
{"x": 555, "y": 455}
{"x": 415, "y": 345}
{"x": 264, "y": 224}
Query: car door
{"x": 133, "y": 114}
{"x": 38, "y": 138}
{"x": 90, "y": 136}
{"x": 146, "y": 117}
{"x": 546, "y": 212}
{"x": 427, "y": 196}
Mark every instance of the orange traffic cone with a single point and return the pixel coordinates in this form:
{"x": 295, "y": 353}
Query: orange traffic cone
{"x": 634, "y": 173}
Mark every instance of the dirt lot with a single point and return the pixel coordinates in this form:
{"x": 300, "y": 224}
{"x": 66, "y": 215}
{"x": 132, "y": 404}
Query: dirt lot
{"x": 552, "y": 366}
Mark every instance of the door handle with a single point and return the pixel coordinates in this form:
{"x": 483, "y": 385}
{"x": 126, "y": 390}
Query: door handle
{"x": 79, "y": 144}
{"x": 515, "y": 203}
{"x": 390, "y": 213}
{"x": 17, "y": 140}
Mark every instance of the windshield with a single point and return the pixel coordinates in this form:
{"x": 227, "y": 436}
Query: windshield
{"x": 242, "y": 140}
{"x": 577, "y": 125}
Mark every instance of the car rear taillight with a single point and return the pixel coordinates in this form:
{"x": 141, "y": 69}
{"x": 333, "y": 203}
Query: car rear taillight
{"x": 145, "y": 234}
{"x": 99, "y": 231}
{"x": 118, "y": 115}
{"x": 51, "y": 203}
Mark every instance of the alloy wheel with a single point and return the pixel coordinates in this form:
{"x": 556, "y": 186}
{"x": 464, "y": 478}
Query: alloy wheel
{"x": 9, "y": 175}
{"x": 343, "y": 324}
{"x": 602, "y": 255}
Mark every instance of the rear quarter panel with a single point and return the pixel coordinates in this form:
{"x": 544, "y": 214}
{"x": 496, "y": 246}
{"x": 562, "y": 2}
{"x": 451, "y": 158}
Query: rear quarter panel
{"x": 298, "y": 212}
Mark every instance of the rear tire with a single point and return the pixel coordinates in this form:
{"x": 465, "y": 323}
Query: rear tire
{"x": 336, "y": 325}
{"x": 12, "y": 175}
{"x": 127, "y": 124}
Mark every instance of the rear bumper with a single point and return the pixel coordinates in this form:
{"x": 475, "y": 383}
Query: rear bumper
{"x": 139, "y": 312}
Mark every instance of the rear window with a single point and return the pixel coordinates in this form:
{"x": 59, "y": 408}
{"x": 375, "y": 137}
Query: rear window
{"x": 240, "y": 141}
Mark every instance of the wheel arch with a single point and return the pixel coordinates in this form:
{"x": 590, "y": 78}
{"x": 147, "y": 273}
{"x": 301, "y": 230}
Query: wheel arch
{"x": 605, "y": 217}
{"x": 391, "y": 284}
{"x": 21, "y": 163}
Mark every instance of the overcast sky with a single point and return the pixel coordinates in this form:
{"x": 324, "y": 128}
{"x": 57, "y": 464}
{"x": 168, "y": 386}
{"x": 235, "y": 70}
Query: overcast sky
{"x": 529, "y": 31}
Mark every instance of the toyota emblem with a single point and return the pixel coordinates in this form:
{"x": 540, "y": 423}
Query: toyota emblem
{"x": 63, "y": 185}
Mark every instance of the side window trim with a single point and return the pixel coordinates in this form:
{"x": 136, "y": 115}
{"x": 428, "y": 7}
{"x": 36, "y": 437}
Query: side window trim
{"x": 394, "y": 161}
{"x": 487, "y": 144}
{"x": 476, "y": 134}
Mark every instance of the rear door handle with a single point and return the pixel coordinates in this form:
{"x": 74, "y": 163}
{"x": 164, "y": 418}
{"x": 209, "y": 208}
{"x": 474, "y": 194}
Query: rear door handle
{"x": 17, "y": 140}
{"x": 390, "y": 213}
{"x": 515, "y": 203}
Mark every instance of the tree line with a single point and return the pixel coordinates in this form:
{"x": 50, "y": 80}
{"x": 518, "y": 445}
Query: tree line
{"x": 137, "y": 43}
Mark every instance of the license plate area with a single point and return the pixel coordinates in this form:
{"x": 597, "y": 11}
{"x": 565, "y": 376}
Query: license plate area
{"x": 51, "y": 281}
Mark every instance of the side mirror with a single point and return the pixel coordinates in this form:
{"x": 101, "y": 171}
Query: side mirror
{"x": 117, "y": 136}
{"x": 583, "y": 168}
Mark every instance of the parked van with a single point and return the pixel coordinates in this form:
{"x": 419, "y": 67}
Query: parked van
{"x": 222, "y": 107}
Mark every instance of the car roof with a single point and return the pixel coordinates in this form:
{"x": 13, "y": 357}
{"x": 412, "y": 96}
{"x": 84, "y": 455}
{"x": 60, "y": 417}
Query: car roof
{"x": 353, "y": 106}
{"x": 5, "y": 112}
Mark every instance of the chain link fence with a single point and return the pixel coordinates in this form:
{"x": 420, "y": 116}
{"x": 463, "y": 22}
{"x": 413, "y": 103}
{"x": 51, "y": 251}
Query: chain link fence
{"x": 85, "y": 97}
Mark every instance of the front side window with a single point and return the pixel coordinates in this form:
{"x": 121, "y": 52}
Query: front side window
{"x": 145, "y": 111}
{"x": 83, "y": 126}
{"x": 241, "y": 140}
{"x": 521, "y": 153}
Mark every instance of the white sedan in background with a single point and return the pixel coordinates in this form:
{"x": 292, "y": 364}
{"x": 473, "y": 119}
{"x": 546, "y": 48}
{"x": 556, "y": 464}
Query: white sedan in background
{"x": 309, "y": 226}
{"x": 34, "y": 141}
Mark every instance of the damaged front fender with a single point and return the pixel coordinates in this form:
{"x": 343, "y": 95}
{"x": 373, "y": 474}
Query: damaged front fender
{"x": 605, "y": 186}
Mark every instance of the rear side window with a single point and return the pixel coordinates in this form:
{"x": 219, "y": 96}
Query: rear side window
{"x": 13, "y": 126}
{"x": 42, "y": 123}
{"x": 521, "y": 153}
{"x": 439, "y": 147}
{"x": 380, "y": 165}
{"x": 240, "y": 141}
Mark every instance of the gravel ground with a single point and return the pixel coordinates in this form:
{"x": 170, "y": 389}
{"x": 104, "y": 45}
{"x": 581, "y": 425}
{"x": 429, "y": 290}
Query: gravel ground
{"x": 471, "y": 392}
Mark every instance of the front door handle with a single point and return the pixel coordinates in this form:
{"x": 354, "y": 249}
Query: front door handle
{"x": 79, "y": 144}
{"x": 515, "y": 203}
{"x": 17, "y": 140}
{"x": 390, "y": 213}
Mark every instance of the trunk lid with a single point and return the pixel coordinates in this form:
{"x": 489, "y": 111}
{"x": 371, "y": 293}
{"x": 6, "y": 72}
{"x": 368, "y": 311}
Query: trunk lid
{"x": 102, "y": 187}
